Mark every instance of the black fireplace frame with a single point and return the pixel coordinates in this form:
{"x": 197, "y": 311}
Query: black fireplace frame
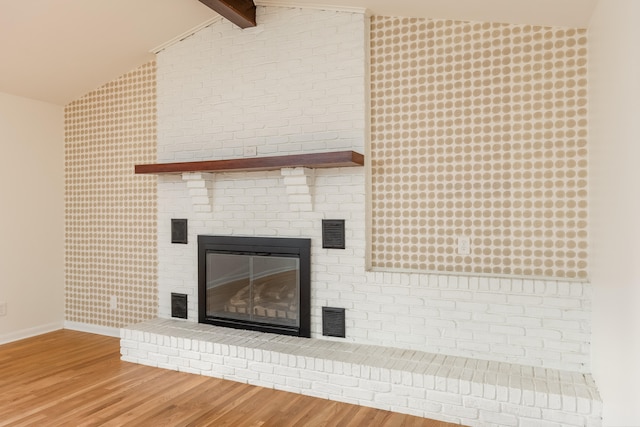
{"x": 300, "y": 247}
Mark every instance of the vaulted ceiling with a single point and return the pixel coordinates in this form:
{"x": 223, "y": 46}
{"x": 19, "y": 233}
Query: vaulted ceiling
{"x": 57, "y": 50}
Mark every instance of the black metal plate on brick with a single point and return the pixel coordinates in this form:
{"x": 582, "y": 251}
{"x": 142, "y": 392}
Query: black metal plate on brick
{"x": 333, "y": 322}
{"x": 179, "y": 306}
{"x": 333, "y": 234}
{"x": 179, "y": 231}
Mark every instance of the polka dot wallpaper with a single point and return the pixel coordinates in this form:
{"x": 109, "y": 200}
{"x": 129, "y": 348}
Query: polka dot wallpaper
{"x": 110, "y": 213}
{"x": 479, "y": 132}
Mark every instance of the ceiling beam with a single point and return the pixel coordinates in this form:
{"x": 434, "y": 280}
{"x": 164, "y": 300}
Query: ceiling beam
{"x": 240, "y": 12}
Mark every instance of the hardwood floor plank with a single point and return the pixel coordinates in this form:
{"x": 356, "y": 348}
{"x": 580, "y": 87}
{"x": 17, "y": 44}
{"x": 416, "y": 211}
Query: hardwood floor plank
{"x": 69, "y": 378}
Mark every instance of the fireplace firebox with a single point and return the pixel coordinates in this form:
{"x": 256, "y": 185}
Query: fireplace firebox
{"x": 255, "y": 283}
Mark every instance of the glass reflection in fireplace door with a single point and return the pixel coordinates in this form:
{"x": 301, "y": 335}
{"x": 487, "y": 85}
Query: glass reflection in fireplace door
{"x": 253, "y": 288}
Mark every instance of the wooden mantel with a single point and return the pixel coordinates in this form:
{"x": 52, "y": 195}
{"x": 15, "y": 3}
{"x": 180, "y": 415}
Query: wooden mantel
{"x": 336, "y": 159}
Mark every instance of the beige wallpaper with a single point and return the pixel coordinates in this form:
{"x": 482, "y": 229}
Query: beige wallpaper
{"x": 110, "y": 213}
{"x": 479, "y": 130}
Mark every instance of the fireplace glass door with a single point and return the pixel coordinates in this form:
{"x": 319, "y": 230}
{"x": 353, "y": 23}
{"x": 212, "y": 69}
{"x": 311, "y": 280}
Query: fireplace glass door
{"x": 253, "y": 288}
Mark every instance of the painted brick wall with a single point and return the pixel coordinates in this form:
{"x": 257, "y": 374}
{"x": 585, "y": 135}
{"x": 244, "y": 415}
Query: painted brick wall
{"x": 294, "y": 84}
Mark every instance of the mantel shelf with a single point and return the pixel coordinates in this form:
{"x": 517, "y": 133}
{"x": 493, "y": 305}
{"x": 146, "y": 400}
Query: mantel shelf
{"x": 336, "y": 159}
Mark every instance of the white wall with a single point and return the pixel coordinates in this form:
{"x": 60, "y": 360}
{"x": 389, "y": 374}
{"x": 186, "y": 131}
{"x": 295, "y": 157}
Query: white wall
{"x": 615, "y": 207}
{"x": 32, "y": 217}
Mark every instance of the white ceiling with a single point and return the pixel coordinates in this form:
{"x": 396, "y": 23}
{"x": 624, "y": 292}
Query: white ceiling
{"x": 57, "y": 50}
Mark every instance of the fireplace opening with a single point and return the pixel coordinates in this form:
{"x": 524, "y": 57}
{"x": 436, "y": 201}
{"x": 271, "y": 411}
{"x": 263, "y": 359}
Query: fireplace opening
{"x": 255, "y": 283}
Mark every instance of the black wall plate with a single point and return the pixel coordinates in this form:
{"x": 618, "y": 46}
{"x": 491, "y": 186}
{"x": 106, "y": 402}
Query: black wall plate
{"x": 333, "y": 234}
{"x": 179, "y": 231}
{"x": 333, "y": 322}
{"x": 179, "y": 306}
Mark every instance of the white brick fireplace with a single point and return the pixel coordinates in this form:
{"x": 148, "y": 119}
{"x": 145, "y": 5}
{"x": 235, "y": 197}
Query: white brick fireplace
{"x": 296, "y": 84}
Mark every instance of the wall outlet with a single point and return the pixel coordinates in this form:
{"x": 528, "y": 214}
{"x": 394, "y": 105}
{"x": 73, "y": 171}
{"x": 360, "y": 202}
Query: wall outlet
{"x": 250, "y": 151}
{"x": 113, "y": 302}
{"x": 3, "y": 308}
{"x": 464, "y": 245}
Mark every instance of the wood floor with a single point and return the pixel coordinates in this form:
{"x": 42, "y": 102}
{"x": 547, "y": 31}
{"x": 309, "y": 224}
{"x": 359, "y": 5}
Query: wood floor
{"x": 69, "y": 378}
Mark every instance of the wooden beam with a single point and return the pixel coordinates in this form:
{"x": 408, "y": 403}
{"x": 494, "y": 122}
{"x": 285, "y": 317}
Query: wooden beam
{"x": 240, "y": 12}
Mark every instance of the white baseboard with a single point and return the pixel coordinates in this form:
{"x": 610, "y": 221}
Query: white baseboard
{"x": 92, "y": 329}
{"x": 30, "y": 332}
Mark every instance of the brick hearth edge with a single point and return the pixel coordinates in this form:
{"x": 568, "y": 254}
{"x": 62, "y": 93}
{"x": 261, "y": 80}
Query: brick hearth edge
{"x": 448, "y": 388}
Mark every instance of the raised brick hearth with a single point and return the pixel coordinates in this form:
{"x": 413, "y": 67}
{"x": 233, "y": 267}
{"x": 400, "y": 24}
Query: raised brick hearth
{"x": 448, "y": 388}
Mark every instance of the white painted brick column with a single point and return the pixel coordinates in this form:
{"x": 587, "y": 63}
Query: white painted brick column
{"x": 299, "y": 186}
{"x": 199, "y": 186}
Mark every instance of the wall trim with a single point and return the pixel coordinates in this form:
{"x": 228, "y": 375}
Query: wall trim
{"x": 30, "y": 332}
{"x": 92, "y": 329}
{"x": 471, "y": 274}
{"x": 317, "y": 6}
{"x": 186, "y": 34}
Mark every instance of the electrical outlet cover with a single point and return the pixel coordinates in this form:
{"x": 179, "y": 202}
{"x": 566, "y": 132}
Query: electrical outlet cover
{"x": 464, "y": 245}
